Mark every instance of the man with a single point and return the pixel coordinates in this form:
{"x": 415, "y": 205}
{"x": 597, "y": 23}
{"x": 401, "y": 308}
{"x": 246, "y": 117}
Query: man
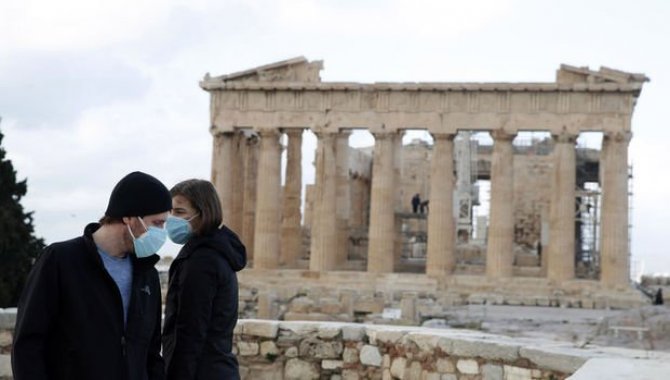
{"x": 91, "y": 308}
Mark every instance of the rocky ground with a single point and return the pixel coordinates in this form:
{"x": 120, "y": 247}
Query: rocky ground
{"x": 646, "y": 328}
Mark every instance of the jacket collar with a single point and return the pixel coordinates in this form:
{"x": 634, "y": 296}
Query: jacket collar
{"x": 142, "y": 264}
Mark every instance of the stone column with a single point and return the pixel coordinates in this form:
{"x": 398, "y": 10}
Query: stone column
{"x": 291, "y": 236}
{"x": 614, "y": 250}
{"x": 343, "y": 196}
{"x": 323, "y": 247}
{"x": 266, "y": 232}
{"x": 440, "y": 258}
{"x": 500, "y": 247}
{"x": 222, "y": 156}
{"x": 236, "y": 169}
{"x": 561, "y": 255}
{"x": 251, "y": 148}
{"x": 381, "y": 230}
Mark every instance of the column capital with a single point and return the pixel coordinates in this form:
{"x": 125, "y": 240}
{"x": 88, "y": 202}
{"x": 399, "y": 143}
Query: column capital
{"x": 502, "y": 135}
{"x": 324, "y": 134}
{"x": 564, "y": 137}
{"x": 619, "y": 136}
{"x": 223, "y": 133}
{"x": 269, "y": 133}
{"x": 294, "y": 132}
{"x": 443, "y": 136}
{"x": 383, "y": 135}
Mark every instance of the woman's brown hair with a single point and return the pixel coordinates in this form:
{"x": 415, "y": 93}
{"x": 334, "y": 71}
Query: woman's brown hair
{"x": 204, "y": 199}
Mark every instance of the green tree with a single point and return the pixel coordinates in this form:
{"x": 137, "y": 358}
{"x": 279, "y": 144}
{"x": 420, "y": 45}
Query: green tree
{"x": 18, "y": 247}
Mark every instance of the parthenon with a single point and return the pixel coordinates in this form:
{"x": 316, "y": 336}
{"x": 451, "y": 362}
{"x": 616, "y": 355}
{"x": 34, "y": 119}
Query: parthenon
{"x": 254, "y": 111}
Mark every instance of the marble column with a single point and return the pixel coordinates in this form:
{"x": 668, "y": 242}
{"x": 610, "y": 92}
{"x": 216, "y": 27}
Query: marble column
{"x": 561, "y": 252}
{"x": 236, "y": 168}
{"x": 440, "y": 258}
{"x": 251, "y": 150}
{"x": 323, "y": 247}
{"x": 222, "y": 155}
{"x": 500, "y": 246}
{"x": 268, "y": 190}
{"x": 382, "y": 219}
{"x": 614, "y": 239}
{"x": 291, "y": 236}
{"x": 343, "y": 196}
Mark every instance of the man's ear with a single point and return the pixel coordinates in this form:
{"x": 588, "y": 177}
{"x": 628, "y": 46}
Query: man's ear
{"x": 126, "y": 219}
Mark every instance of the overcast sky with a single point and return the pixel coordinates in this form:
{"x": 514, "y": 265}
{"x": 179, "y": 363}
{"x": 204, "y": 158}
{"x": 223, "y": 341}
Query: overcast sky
{"x": 91, "y": 90}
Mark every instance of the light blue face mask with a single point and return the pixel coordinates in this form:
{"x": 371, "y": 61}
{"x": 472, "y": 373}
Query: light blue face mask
{"x": 179, "y": 229}
{"x": 149, "y": 242}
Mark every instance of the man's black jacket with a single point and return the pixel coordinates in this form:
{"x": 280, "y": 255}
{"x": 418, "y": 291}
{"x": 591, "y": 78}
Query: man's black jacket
{"x": 201, "y": 308}
{"x": 70, "y": 319}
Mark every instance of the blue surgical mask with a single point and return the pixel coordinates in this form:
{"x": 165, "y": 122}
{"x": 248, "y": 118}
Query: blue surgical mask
{"x": 179, "y": 229}
{"x": 149, "y": 242}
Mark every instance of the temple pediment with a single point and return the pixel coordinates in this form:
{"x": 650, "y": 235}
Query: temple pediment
{"x": 573, "y": 74}
{"x": 297, "y": 69}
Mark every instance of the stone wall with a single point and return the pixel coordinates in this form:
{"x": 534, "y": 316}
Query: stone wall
{"x": 318, "y": 350}
{"x": 7, "y": 321}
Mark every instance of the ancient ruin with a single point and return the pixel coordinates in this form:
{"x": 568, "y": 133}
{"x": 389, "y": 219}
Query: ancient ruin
{"x": 557, "y": 230}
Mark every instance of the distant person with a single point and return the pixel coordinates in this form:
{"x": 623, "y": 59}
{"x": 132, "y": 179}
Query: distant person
{"x": 416, "y": 202}
{"x": 658, "y": 298}
{"x": 91, "y": 308}
{"x": 424, "y": 206}
{"x": 202, "y": 298}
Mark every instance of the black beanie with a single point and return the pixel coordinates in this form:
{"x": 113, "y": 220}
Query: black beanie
{"x": 138, "y": 194}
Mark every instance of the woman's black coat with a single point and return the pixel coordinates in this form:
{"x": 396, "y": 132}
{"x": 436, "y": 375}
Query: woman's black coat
{"x": 201, "y": 308}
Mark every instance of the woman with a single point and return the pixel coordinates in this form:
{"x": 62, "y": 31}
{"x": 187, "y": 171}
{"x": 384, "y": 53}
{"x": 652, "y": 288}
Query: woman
{"x": 201, "y": 302}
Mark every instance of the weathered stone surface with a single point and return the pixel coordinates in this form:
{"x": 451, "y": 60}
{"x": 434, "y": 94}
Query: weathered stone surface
{"x": 425, "y": 342}
{"x": 247, "y": 348}
{"x": 350, "y": 355}
{"x": 5, "y": 366}
{"x": 299, "y": 328}
{"x": 316, "y": 348}
{"x": 430, "y": 375}
{"x": 328, "y": 332}
{"x": 384, "y": 336}
{"x": 354, "y": 333}
{"x": 291, "y": 352}
{"x": 369, "y": 305}
{"x": 445, "y": 366}
{"x": 370, "y": 356}
{"x": 516, "y": 373}
{"x": 484, "y": 349}
{"x": 331, "y": 364}
{"x": 5, "y": 338}
{"x": 264, "y": 329}
{"x": 7, "y": 318}
{"x": 414, "y": 371}
{"x": 398, "y": 367}
{"x": 297, "y": 369}
{"x": 448, "y": 377}
{"x": 269, "y": 371}
{"x": 492, "y": 372}
{"x": 467, "y": 366}
{"x": 269, "y": 348}
{"x": 556, "y": 360}
{"x": 350, "y": 374}
{"x": 386, "y": 361}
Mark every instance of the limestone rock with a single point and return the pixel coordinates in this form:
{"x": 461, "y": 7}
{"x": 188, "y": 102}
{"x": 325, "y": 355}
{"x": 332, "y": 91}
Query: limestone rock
{"x": 492, "y": 372}
{"x": 316, "y": 348}
{"x": 398, "y": 367}
{"x": 370, "y": 356}
{"x": 264, "y": 329}
{"x": 350, "y": 355}
{"x": 297, "y": 369}
{"x": 467, "y": 366}
{"x": 5, "y": 367}
{"x": 517, "y": 373}
{"x": 247, "y": 348}
{"x": 331, "y": 364}
{"x": 354, "y": 333}
{"x": 269, "y": 348}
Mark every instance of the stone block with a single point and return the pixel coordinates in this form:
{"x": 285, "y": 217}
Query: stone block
{"x": 354, "y": 333}
{"x": 331, "y": 364}
{"x": 479, "y": 348}
{"x": 318, "y": 349}
{"x": 449, "y": 376}
{"x": 467, "y": 366}
{"x": 398, "y": 367}
{"x": 291, "y": 352}
{"x": 370, "y": 356}
{"x": 386, "y": 374}
{"x": 330, "y": 306}
{"x": 350, "y": 355}
{"x": 492, "y": 372}
{"x": 430, "y": 375}
{"x": 350, "y": 374}
{"x": 414, "y": 371}
{"x": 386, "y": 361}
{"x": 297, "y": 369}
{"x": 299, "y": 328}
{"x": 263, "y": 329}
{"x": 247, "y": 348}
{"x": 554, "y": 360}
{"x": 7, "y": 318}
{"x": 269, "y": 349}
{"x": 424, "y": 341}
{"x": 5, "y": 338}
{"x": 291, "y": 316}
{"x": 516, "y": 373}
{"x": 265, "y": 371}
{"x": 369, "y": 305}
{"x": 385, "y": 336}
{"x": 328, "y": 332}
{"x": 5, "y": 367}
{"x": 445, "y": 366}
{"x": 301, "y": 305}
